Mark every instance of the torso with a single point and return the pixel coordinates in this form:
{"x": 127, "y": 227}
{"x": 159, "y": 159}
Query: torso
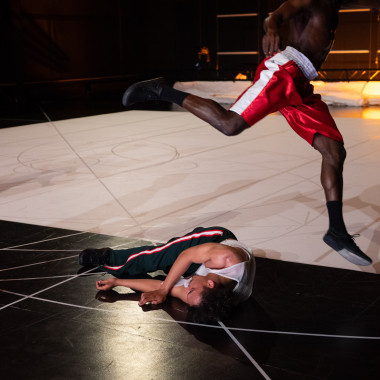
{"x": 312, "y": 31}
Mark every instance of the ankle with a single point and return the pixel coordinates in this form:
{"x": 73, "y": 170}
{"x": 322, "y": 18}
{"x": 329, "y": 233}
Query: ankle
{"x": 335, "y": 212}
{"x": 169, "y": 94}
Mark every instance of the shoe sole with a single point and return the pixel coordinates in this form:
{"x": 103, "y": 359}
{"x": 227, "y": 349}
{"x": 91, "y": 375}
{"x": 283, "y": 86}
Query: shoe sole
{"x": 126, "y": 94}
{"x": 345, "y": 253}
{"x": 125, "y": 101}
{"x": 353, "y": 258}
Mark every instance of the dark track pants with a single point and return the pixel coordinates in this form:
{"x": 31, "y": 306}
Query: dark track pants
{"x": 146, "y": 259}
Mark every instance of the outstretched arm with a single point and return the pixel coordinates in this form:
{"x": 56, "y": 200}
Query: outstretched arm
{"x": 213, "y": 255}
{"x": 272, "y": 24}
{"x": 142, "y": 285}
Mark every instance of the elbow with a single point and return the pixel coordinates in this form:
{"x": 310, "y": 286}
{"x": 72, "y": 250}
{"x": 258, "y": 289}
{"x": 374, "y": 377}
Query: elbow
{"x": 230, "y": 132}
{"x": 228, "y": 128}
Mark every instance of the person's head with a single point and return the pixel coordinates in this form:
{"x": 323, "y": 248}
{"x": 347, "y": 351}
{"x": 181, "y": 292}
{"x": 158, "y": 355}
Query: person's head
{"x": 215, "y": 304}
{"x": 197, "y": 287}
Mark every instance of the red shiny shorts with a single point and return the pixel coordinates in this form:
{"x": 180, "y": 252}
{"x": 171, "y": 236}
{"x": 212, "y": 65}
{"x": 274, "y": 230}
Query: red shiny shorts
{"x": 280, "y": 85}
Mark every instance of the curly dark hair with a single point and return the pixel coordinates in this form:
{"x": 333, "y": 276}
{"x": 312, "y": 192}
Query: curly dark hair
{"x": 216, "y": 304}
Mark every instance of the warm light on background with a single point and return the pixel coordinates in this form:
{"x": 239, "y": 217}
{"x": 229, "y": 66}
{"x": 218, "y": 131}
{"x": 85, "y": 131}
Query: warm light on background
{"x": 371, "y": 90}
{"x": 371, "y": 113}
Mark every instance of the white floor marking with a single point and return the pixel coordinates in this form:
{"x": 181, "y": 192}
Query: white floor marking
{"x": 43, "y": 241}
{"x": 307, "y": 334}
{"x": 44, "y": 290}
{"x": 38, "y": 250}
{"x": 189, "y": 323}
{"x": 44, "y": 277}
{"x": 40, "y": 262}
{"x": 80, "y": 158}
{"x": 246, "y": 353}
{"x": 60, "y": 303}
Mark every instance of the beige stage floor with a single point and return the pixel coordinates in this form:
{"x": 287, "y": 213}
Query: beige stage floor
{"x": 158, "y": 174}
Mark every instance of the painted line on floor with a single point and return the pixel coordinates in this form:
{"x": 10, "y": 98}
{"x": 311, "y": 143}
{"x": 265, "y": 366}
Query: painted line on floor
{"x": 60, "y": 303}
{"x": 188, "y": 323}
{"x": 306, "y": 334}
{"x": 246, "y": 353}
{"x": 71, "y": 250}
{"x": 43, "y": 241}
{"x": 44, "y": 290}
{"x": 89, "y": 168}
{"x": 39, "y": 250}
{"x": 46, "y": 277}
{"x": 39, "y": 263}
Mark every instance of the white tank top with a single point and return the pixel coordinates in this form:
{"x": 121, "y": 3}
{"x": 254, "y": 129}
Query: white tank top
{"x": 243, "y": 273}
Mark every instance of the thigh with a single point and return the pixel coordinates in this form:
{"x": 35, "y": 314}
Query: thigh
{"x": 310, "y": 117}
{"x": 329, "y": 148}
{"x": 272, "y": 90}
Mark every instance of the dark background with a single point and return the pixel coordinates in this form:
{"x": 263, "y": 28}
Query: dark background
{"x": 54, "y": 49}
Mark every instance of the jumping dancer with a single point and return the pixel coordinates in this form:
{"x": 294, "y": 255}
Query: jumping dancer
{"x": 282, "y": 84}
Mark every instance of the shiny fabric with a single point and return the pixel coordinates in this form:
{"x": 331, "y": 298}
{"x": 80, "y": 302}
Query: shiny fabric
{"x": 280, "y": 85}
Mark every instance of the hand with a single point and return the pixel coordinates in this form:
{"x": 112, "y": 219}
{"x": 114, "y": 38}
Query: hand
{"x": 155, "y": 297}
{"x": 106, "y": 284}
{"x": 271, "y": 42}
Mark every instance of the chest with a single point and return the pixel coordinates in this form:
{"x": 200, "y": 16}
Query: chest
{"x": 320, "y": 17}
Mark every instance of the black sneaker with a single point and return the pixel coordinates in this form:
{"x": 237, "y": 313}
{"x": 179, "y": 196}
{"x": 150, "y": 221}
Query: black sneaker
{"x": 345, "y": 245}
{"x": 142, "y": 92}
{"x": 94, "y": 257}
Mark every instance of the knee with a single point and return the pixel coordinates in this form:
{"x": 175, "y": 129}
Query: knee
{"x": 231, "y": 125}
{"x": 228, "y": 129}
{"x": 332, "y": 151}
{"x": 343, "y": 153}
{"x": 338, "y": 155}
{"x": 335, "y": 154}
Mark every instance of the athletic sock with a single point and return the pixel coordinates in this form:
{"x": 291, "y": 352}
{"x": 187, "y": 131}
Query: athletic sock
{"x": 335, "y": 210}
{"x": 169, "y": 94}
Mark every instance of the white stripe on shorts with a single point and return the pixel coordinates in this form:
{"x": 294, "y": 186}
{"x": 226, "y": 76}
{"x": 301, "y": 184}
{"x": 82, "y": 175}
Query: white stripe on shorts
{"x": 265, "y": 76}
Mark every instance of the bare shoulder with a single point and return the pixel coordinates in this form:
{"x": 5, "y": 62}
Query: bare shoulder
{"x": 222, "y": 256}
{"x": 296, "y": 5}
{"x": 300, "y": 3}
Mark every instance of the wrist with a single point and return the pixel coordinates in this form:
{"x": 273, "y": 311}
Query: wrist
{"x": 164, "y": 287}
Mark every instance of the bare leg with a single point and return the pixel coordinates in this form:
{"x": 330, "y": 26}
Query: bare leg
{"x": 333, "y": 156}
{"x": 228, "y": 122}
{"x": 337, "y": 237}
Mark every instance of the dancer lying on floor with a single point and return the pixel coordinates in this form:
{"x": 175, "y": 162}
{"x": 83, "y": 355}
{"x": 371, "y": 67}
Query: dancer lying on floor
{"x": 208, "y": 269}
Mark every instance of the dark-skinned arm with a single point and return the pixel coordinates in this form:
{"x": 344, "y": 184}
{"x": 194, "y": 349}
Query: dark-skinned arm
{"x": 272, "y": 24}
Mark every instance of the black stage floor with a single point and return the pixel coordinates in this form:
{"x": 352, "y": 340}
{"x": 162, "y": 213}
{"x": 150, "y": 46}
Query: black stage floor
{"x": 302, "y": 322}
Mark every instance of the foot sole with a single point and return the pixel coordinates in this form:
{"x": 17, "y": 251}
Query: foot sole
{"x": 152, "y": 84}
{"x": 348, "y": 255}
